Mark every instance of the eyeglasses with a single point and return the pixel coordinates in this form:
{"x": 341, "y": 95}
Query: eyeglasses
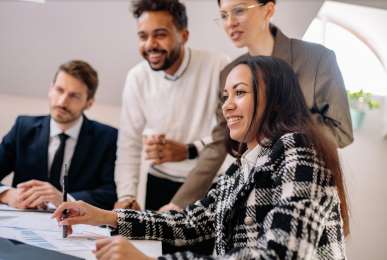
{"x": 238, "y": 12}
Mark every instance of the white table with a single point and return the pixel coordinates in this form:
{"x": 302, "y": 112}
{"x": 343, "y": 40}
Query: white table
{"x": 39, "y": 229}
{"x": 150, "y": 248}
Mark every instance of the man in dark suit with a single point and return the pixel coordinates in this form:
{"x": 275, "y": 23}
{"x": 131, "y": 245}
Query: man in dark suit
{"x": 40, "y": 149}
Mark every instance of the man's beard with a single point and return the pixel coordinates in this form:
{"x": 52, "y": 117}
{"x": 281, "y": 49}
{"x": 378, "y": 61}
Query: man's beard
{"x": 168, "y": 61}
{"x": 68, "y": 118}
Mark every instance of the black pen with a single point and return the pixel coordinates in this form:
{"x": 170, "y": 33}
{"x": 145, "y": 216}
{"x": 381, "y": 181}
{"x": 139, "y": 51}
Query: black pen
{"x": 65, "y": 213}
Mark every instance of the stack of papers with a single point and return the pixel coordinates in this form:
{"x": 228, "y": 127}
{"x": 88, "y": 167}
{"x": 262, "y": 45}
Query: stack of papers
{"x": 39, "y": 229}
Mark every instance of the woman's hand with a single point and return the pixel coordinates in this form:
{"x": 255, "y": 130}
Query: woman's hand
{"x": 79, "y": 212}
{"x": 117, "y": 248}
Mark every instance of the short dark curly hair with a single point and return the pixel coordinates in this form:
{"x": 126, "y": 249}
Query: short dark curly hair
{"x": 176, "y": 9}
{"x": 263, "y": 2}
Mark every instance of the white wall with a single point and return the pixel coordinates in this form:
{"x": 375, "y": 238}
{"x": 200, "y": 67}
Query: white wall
{"x": 366, "y": 22}
{"x": 36, "y": 38}
{"x": 364, "y": 165}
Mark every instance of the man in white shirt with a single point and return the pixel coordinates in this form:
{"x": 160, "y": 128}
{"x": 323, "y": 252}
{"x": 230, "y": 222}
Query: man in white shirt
{"x": 39, "y": 149}
{"x": 168, "y": 106}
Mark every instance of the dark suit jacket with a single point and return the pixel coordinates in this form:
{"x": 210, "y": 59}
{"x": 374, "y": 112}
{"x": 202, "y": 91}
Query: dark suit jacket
{"x": 24, "y": 151}
{"x": 323, "y": 87}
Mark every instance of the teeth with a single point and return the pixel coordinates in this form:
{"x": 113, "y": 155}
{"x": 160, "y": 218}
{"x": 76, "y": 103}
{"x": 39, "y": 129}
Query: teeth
{"x": 233, "y": 119}
{"x": 235, "y": 35}
{"x": 154, "y": 55}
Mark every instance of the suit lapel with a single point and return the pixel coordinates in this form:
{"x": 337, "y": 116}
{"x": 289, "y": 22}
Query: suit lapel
{"x": 282, "y": 46}
{"x": 41, "y": 148}
{"x": 81, "y": 148}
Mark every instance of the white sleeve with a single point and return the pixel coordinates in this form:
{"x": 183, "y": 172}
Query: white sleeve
{"x": 222, "y": 61}
{"x": 4, "y": 188}
{"x": 129, "y": 143}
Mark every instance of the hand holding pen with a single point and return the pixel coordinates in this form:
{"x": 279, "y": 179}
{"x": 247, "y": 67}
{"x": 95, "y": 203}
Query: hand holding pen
{"x": 79, "y": 212}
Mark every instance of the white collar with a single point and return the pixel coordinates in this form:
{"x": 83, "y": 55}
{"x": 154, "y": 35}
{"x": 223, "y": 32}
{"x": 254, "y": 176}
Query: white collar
{"x": 249, "y": 158}
{"x": 73, "y": 131}
{"x": 183, "y": 66}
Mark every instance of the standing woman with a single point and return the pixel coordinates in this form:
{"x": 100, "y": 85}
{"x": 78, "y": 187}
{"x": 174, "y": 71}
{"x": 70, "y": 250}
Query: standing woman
{"x": 247, "y": 23}
{"x": 283, "y": 199}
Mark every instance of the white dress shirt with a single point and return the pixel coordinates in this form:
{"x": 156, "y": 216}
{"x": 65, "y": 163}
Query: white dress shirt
{"x": 249, "y": 160}
{"x": 54, "y": 142}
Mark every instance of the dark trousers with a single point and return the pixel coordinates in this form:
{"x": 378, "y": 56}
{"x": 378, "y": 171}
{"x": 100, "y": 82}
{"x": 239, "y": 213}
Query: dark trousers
{"x": 159, "y": 192}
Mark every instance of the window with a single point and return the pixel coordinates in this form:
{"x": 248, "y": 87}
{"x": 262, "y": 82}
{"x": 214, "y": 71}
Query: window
{"x": 359, "y": 64}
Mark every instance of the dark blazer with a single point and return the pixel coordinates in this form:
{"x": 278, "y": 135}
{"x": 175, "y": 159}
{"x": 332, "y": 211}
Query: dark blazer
{"x": 288, "y": 208}
{"x": 24, "y": 151}
{"x": 324, "y": 91}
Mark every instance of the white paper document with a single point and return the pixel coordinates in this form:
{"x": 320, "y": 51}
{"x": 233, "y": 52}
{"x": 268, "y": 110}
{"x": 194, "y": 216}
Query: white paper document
{"x": 39, "y": 229}
{"x": 4, "y": 207}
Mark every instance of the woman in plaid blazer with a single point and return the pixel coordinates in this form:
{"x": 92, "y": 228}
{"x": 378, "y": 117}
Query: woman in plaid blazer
{"x": 282, "y": 199}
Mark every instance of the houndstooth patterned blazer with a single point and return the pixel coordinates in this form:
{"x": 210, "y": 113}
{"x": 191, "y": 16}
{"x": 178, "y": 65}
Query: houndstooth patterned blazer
{"x": 287, "y": 209}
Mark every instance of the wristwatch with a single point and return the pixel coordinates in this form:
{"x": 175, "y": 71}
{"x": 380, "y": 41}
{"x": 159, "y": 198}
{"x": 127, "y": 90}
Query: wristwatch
{"x": 192, "y": 151}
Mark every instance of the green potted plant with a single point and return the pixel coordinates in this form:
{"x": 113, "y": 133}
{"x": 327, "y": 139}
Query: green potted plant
{"x": 360, "y": 102}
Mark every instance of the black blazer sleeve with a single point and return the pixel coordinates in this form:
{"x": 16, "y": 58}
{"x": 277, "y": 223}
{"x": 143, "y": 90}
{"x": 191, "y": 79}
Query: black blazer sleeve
{"x": 8, "y": 152}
